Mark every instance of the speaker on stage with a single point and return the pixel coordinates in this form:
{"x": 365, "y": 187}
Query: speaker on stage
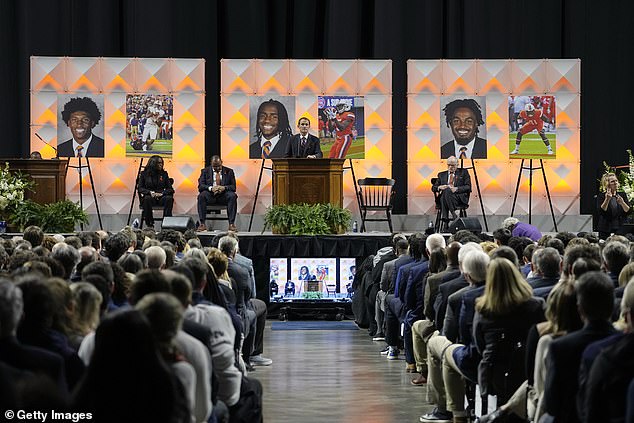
{"x": 178, "y": 223}
{"x": 471, "y": 224}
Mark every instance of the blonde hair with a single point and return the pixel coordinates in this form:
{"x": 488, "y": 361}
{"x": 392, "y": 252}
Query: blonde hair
{"x": 219, "y": 262}
{"x": 561, "y": 309}
{"x": 505, "y": 288}
{"x": 488, "y": 246}
{"x": 626, "y": 274}
{"x": 87, "y": 306}
{"x": 604, "y": 180}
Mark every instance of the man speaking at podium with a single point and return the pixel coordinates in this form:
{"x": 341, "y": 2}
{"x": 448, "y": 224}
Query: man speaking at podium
{"x": 304, "y": 145}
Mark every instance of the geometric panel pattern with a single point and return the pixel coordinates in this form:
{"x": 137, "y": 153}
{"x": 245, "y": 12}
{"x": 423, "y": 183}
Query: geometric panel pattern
{"x": 114, "y": 175}
{"x": 305, "y": 80}
{"x": 428, "y": 80}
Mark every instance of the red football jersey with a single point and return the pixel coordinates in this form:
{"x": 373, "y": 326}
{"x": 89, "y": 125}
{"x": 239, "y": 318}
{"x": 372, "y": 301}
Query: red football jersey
{"x": 532, "y": 120}
{"x": 343, "y": 117}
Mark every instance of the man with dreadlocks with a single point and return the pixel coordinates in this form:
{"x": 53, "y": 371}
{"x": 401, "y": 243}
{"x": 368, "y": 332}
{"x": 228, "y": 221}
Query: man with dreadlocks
{"x": 464, "y": 117}
{"x": 272, "y": 131}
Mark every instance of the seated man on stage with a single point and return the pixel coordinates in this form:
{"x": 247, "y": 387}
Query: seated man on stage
{"x": 217, "y": 186}
{"x": 155, "y": 187}
{"x": 454, "y": 186}
{"x": 304, "y": 145}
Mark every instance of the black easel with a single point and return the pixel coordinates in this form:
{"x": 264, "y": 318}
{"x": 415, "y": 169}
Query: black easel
{"x": 79, "y": 168}
{"x": 257, "y": 191}
{"x": 356, "y": 188}
{"x": 475, "y": 175}
{"x": 136, "y": 185}
{"x": 530, "y": 168}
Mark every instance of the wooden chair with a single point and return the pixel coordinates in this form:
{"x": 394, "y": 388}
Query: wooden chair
{"x": 376, "y": 195}
{"x": 214, "y": 212}
{"x": 462, "y": 211}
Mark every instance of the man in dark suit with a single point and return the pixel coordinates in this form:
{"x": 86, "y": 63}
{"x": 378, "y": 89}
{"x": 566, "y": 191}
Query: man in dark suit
{"x": 454, "y": 187}
{"x": 595, "y": 300}
{"x": 304, "y": 145}
{"x": 464, "y": 117}
{"x": 272, "y": 131}
{"x": 81, "y": 115}
{"x": 217, "y": 185}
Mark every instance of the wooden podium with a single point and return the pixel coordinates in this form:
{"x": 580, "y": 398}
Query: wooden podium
{"x": 49, "y": 177}
{"x": 308, "y": 181}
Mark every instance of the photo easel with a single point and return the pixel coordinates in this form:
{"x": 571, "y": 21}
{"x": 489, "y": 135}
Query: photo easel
{"x": 257, "y": 191}
{"x": 79, "y": 168}
{"x": 475, "y": 175}
{"x": 354, "y": 181}
{"x": 530, "y": 168}
{"x": 136, "y": 185}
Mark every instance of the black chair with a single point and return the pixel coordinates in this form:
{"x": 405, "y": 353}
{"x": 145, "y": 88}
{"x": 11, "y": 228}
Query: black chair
{"x": 376, "y": 195}
{"x": 155, "y": 208}
{"x": 462, "y": 211}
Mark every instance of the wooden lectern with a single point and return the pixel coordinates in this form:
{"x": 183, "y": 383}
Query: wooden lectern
{"x": 49, "y": 177}
{"x": 308, "y": 181}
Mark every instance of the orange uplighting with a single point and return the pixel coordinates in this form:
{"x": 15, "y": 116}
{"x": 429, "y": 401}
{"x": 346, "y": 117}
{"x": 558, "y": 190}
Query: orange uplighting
{"x": 237, "y": 153}
{"x": 341, "y": 84}
{"x": 426, "y": 85}
{"x": 494, "y": 153}
{"x": 118, "y": 151}
{"x": 562, "y": 117}
{"x": 238, "y": 84}
{"x": 237, "y": 119}
{"x": 187, "y": 119}
{"x": 527, "y": 85}
{"x": 187, "y": 83}
{"x": 424, "y": 154}
{"x": 272, "y": 85}
{"x": 118, "y": 83}
{"x": 376, "y": 85}
{"x": 116, "y": 117}
{"x": 374, "y": 153}
{"x": 460, "y": 85}
{"x": 47, "y": 117}
{"x": 493, "y": 85}
{"x": 187, "y": 153}
{"x": 83, "y": 83}
{"x": 562, "y": 84}
{"x": 374, "y": 119}
{"x": 48, "y": 82}
{"x": 153, "y": 84}
{"x": 307, "y": 84}
{"x": 425, "y": 120}
{"x": 494, "y": 119}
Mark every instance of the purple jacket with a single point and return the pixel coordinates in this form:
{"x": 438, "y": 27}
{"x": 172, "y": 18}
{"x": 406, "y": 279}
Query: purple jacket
{"x": 529, "y": 231}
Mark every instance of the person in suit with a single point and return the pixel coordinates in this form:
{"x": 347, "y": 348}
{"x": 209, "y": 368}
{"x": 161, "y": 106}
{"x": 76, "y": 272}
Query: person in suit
{"x": 595, "y": 301}
{"x": 81, "y": 115}
{"x": 454, "y": 187}
{"x": 217, "y": 185}
{"x": 272, "y": 131}
{"x": 155, "y": 187}
{"x": 304, "y": 145}
{"x": 464, "y": 117}
{"x": 612, "y": 207}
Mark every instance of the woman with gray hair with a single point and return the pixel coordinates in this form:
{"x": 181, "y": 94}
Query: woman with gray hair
{"x": 520, "y": 229}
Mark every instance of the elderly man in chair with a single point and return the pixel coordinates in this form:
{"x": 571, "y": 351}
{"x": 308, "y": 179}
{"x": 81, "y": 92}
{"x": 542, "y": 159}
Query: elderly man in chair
{"x": 454, "y": 187}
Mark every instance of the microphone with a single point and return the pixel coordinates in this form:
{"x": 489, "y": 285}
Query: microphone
{"x": 41, "y": 139}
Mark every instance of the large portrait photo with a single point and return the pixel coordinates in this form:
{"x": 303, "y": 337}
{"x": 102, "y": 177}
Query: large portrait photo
{"x": 341, "y": 127}
{"x": 149, "y": 125}
{"x": 532, "y": 127}
{"x": 270, "y": 126}
{"x": 463, "y": 130}
{"x": 80, "y": 130}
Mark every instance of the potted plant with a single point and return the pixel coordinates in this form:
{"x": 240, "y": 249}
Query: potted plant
{"x": 61, "y": 216}
{"x": 12, "y": 188}
{"x": 278, "y": 218}
{"x": 337, "y": 218}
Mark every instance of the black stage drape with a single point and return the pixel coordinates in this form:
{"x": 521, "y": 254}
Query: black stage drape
{"x": 600, "y": 33}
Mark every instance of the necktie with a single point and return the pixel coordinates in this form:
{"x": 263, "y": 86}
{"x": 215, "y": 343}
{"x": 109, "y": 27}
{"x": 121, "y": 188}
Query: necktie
{"x": 303, "y": 142}
{"x": 79, "y": 151}
{"x": 218, "y": 179}
{"x": 451, "y": 178}
{"x": 266, "y": 150}
{"x": 463, "y": 152}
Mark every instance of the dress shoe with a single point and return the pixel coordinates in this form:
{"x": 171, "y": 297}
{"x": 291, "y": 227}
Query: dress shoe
{"x": 202, "y": 227}
{"x": 233, "y": 228}
{"x": 419, "y": 381}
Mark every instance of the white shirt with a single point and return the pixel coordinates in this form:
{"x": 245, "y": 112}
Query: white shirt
{"x": 85, "y": 145}
{"x": 469, "y": 146}
{"x": 273, "y": 141}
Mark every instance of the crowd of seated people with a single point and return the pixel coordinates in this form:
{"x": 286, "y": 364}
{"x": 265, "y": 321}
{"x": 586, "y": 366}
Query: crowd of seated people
{"x": 546, "y": 325}
{"x": 130, "y": 326}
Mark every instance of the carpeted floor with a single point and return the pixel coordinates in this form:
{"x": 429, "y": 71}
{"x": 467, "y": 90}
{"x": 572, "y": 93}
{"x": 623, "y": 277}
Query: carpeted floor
{"x": 314, "y": 325}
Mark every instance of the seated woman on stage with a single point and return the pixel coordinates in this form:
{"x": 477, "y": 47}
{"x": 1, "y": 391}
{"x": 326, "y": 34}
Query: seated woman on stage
{"x": 612, "y": 207}
{"x": 155, "y": 188}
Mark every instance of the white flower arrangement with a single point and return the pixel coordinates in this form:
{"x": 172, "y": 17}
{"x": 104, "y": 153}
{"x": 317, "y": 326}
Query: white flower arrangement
{"x": 12, "y": 187}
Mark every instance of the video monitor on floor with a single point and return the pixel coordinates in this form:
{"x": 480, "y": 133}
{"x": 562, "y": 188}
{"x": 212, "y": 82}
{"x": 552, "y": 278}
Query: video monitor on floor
{"x": 278, "y": 276}
{"x": 347, "y": 270}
